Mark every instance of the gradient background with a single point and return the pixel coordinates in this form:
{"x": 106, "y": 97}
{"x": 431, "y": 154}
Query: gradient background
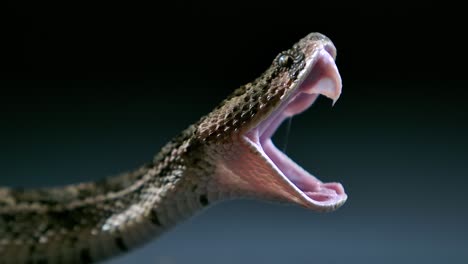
{"x": 90, "y": 90}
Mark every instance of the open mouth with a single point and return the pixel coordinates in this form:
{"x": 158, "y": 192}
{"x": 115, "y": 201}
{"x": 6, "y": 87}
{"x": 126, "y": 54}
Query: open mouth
{"x": 321, "y": 78}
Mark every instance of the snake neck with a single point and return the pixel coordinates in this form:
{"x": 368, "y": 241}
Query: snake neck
{"x": 89, "y": 222}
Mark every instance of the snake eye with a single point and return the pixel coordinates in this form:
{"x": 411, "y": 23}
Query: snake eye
{"x": 285, "y": 60}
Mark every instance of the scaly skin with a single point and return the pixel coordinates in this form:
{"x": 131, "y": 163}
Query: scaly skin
{"x": 212, "y": 160}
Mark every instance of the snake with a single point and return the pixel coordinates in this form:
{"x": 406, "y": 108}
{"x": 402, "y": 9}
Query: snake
{"x": 226, "y": 154}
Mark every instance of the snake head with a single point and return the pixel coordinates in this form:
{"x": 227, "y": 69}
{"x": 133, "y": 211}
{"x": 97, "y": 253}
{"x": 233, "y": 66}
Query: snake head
{"x": 238, "y": 132}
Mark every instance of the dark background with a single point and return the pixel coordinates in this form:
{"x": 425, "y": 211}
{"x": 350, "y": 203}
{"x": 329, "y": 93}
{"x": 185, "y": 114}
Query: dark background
{"x": 89, "y": 90}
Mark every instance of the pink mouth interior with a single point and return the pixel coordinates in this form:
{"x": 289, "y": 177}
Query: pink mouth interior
{"x": 323, "y": 78}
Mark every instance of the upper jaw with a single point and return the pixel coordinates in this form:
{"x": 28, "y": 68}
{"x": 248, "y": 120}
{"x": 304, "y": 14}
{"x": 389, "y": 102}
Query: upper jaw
{"x": 322, "y": 77}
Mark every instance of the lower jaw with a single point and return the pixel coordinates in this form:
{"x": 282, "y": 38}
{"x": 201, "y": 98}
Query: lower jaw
{"x": 307, "y": 189}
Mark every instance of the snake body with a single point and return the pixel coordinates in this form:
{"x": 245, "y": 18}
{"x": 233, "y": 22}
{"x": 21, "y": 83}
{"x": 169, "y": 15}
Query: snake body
{"x": 226, "y": 154}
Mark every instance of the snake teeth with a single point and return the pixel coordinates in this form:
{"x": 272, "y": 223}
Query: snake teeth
{"x": 324, "y": 78}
